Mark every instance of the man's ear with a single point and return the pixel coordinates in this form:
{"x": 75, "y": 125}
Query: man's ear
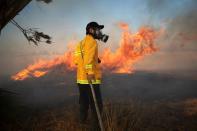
{"x": 91, "y": 31}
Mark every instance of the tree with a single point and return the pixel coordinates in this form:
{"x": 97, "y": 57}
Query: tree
{"x": 10, "y": 8}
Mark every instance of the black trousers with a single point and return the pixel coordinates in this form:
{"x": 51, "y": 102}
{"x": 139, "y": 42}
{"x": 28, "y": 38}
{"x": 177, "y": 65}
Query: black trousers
{"x": 86, "y": 101}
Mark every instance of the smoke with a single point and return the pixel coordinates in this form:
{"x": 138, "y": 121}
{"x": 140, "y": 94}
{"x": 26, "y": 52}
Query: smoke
{"x": 178, "y": 42}
{"x": 183, "y": 28}
{"x": 157, "y": 5}
{"x": 180, "y": 25}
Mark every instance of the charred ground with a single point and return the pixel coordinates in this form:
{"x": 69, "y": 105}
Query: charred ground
{"x": 143, "y": 100}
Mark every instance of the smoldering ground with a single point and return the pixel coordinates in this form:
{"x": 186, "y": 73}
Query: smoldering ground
{"x": 60, "y": 87}
{"x": 51, "y": 102}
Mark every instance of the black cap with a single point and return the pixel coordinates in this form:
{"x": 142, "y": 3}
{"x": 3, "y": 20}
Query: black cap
{"x": 94, "y": 25}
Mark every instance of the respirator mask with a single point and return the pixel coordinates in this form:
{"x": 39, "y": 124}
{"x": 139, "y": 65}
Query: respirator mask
{"x": 100, "y": 36}
{"x": 96, "y": 31}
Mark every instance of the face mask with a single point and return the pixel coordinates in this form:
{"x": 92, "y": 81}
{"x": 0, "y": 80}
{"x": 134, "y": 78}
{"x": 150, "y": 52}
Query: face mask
{"x": 100, "y": 36}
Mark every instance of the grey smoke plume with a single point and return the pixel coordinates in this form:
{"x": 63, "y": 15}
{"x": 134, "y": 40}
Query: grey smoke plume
{"x": 181, "y": 27}
{"x": 178, "y": 44}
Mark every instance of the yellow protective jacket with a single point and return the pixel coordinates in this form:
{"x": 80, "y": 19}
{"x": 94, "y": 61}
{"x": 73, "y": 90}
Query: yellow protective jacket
{"x": 86, "y": 59}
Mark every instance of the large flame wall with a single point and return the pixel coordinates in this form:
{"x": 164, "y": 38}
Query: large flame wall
{"x": 132, "y": 48}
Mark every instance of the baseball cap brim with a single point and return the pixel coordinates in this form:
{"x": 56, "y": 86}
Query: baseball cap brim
{"x": 101, "y": 26}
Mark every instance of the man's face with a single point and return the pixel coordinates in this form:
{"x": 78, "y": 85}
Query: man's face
{"x": 96, "y": 33}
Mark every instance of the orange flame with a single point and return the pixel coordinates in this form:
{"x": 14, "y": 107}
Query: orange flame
{"x": 41, "y": 67}
{"x": 132, "y": 48}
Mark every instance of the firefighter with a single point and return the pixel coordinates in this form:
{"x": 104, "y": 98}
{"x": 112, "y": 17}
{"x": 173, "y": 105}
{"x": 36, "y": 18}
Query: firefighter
{"x": 89, "y": 71}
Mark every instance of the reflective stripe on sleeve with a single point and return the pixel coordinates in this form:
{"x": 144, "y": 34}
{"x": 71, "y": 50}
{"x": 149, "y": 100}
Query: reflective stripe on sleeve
{"x": 89, "y": 66}
{"x": 76, "y": 53}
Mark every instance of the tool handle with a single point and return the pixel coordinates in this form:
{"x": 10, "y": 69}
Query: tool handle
{"x": 96, "y": 106}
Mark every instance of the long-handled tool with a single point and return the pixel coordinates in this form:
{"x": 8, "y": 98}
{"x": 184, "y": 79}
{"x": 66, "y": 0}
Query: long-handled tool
{"x": 96, "y": 106}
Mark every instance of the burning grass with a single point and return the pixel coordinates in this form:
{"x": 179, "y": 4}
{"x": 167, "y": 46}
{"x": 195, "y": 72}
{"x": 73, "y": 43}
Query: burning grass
{"x": 133, "y": 47}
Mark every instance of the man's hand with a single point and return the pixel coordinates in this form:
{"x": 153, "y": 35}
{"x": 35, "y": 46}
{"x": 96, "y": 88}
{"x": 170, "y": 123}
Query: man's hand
{"x": 99, "y": 60}
{"x": 91, "y": 78}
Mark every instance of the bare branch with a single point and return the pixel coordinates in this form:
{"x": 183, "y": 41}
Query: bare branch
{"x": 32, "y": 35}
{"x": 45, "y": 1}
